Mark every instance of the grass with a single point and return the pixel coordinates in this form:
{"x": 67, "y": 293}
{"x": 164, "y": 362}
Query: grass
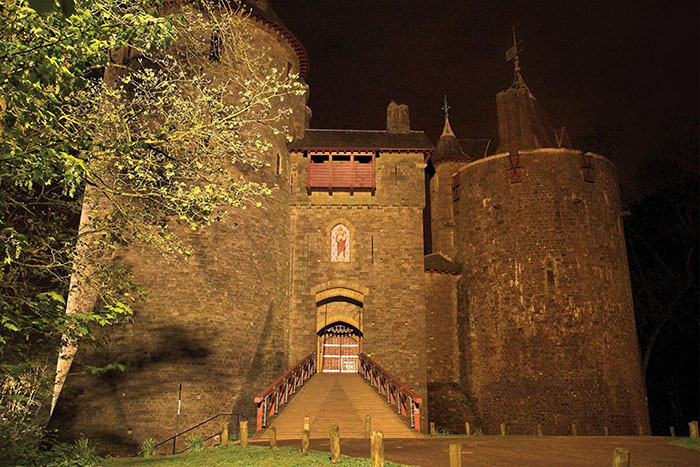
{"x": 236, "y": 456}
{"x": 688, "y": 443}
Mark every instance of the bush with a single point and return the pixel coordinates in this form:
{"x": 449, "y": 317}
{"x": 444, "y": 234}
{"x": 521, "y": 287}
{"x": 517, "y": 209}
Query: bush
{"x": 195, "y": 443}
{"x": 148, "y": 447}
{"x": 79, "y": 454}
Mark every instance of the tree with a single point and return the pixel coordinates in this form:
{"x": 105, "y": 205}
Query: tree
{"x": 154, "y": 144}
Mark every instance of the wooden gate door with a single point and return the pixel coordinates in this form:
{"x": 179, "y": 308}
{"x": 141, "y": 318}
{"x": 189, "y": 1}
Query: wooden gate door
{"x": 340, "y": 354}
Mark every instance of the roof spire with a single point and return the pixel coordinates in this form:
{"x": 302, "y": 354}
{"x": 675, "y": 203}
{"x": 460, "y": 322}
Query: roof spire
{"x": 447, "y": 130}
{"x": 512, "y": 54}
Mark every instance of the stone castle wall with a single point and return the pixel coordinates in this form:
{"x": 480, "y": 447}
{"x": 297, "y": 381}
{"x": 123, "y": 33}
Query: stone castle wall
{"x": 547, "y": 331}
{"x": 441, "y": 216}
{"x": 215, "y": 323}
{"x": 385, "y": 268}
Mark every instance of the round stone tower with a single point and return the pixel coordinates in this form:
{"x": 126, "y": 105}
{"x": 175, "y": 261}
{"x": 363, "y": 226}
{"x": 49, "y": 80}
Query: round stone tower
{"x": 546, "y": 326}
{"x": 211, "y": 332}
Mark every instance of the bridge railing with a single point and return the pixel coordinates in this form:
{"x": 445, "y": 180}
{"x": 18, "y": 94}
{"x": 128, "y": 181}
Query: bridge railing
{"x": 278, "y": 393}
{"x": 398, "y": 394}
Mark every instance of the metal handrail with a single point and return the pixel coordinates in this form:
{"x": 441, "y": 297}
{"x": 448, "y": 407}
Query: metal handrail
{"x": 282, "y": 389}
{"x": 406, "y": 400}
{"x": 175, "y": 436}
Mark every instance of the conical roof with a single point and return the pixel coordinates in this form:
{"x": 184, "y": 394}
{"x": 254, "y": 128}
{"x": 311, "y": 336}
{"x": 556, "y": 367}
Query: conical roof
{"x": 448, "y": 148}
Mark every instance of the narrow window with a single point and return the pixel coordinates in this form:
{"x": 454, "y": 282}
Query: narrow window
{"x": 215, "y": 47}
{"x": 372, "y": 249}
{"x": 455, "y": 187}
{"x": 289, "y": 68}
{"x": 550, "y": 277}
{"x": 278, "y": 168}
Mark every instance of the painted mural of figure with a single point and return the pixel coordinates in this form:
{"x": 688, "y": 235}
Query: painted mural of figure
{"x": 340, "y": 244}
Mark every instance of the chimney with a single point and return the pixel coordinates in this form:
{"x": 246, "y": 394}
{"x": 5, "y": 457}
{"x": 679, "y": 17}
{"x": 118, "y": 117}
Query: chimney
{"x": 397, "y": 120}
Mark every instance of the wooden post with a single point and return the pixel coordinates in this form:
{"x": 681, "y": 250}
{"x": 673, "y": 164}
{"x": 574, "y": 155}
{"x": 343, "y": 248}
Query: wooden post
{"x": 272, "y": 434}
{"x": 307, "y": 424}
{"x": 673, "y": 432}
{"x": 305, "y": 441}
{"x": 621, "y": 458}
{"x": 640, "y": 430}
{"x": 368, "y": 425}
{"x": 455, "y": 455}
{"x": 573, "y": 429}
{"x": 335, "y": 444}
{"x": 243, "y": 434}
{"x": 539, "y": 429}
{"x": 694, "y": 429}
{"x": 224, "y": 433}
{"x": 377, "y": 448}
{"x": 606, "y": 431}
{"x": 467, "y": 429}
{"x": 503, "y": 429}
{"x": 432, "y": 428}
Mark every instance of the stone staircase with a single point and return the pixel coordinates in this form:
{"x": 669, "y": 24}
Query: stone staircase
{"x": 338, "y": 399}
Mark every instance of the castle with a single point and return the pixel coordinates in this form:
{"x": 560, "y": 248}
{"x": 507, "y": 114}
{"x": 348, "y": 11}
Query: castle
{"x": 520, "y": 312}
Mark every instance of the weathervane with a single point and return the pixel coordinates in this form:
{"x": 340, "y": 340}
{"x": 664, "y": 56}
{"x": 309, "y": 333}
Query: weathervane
{"x": 512, "y": 54}
{"x": 446, "y": 107}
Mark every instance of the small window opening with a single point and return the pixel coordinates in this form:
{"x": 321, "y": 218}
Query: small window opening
{"x": 363, "y": 159}
{"x": 372, "y": 249}
{"x": 289, "y": 68}
{"x": 215, "y": 47}
{"x": 341, "y": 159}
{"x": 319, "y": 159}
{"x": 278, "y": 167}
{"x": 550, "y": 277}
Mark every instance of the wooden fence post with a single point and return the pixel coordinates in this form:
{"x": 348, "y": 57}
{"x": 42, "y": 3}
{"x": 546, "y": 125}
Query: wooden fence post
{"x": 272, "y": 433}
{"x": 693, "y": 426}
{"x": 432, "y": 428}
{"x": 573, "y": 430}
{"x": 640, "y": 430}
{"x": 224, "y": 433}
{"x": 467, "y": 429}
{"x": 368, "y": 425}
{"x": 377, "y": 448}
{"x": 305, "y": 434}
{"x": 539, "y": 429}
{"x": 243, "y": 434}
{"x": 307, "y": 423}
{"x": 606, "y": 431}
{"x": 673, "y": 432}
{"x": 335, "y": 444}
{"x": 621, "y": 458}
{"x": 455, "y": 455}
{"x": 503, "y": 429}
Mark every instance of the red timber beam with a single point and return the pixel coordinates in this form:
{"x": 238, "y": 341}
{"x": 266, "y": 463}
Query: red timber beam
{"x": 407, "y": 402}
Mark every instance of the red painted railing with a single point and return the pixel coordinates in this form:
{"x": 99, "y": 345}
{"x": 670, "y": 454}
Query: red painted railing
{"x": 406, "y": 401}
{"x": 279, "y": 392}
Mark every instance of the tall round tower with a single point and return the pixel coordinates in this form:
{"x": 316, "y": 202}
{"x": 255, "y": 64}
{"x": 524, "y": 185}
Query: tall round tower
{"x": 547, "y": 330}
{"x": 211, "y": 332}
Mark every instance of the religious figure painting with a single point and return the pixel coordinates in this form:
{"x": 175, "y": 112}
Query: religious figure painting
{"x": 340, "y": 244}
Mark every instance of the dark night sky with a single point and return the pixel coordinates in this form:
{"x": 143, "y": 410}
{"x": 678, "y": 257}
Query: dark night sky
{"x": 625, "y": 69}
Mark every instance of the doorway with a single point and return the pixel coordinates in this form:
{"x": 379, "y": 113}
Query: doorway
{"x": 340, "y": 345}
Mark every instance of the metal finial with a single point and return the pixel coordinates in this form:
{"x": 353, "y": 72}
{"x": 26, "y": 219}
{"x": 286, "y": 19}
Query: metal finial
{"x": 446, "y": 108}
{"x": 513, "y": 54}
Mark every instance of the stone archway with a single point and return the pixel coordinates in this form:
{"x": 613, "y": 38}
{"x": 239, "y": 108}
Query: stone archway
{"x": 339, "y": 326}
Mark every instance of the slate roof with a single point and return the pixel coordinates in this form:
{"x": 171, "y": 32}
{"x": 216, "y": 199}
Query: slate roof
{"x": 435, "y": 262}
{"x": 477, "y": 148}
{"x": 362, "y": 139}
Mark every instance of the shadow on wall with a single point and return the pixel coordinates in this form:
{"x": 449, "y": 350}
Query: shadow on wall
{"x": 449, "y": 408}
{"x": 84, "y": 394}
{"x": 267, "y": 365}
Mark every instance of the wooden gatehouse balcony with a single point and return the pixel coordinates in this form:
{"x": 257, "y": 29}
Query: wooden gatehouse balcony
{"x": 341, "y": 172}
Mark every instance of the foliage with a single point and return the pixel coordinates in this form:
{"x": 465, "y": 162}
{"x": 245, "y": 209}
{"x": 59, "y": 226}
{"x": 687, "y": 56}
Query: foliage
{"x": 252, "y": 456}
{"x": 22, "y": 387}
{"x": 148, "y": 447}
{"x": 168, "y": 142}
{"x": 79, "y": 454}
{"x": 195, "y": 443}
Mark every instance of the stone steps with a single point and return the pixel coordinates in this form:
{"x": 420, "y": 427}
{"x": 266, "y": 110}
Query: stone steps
{"x": 338, "y": 399}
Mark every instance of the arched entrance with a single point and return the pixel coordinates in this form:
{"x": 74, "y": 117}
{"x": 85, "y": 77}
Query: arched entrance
{"x": 339, "y": 344}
